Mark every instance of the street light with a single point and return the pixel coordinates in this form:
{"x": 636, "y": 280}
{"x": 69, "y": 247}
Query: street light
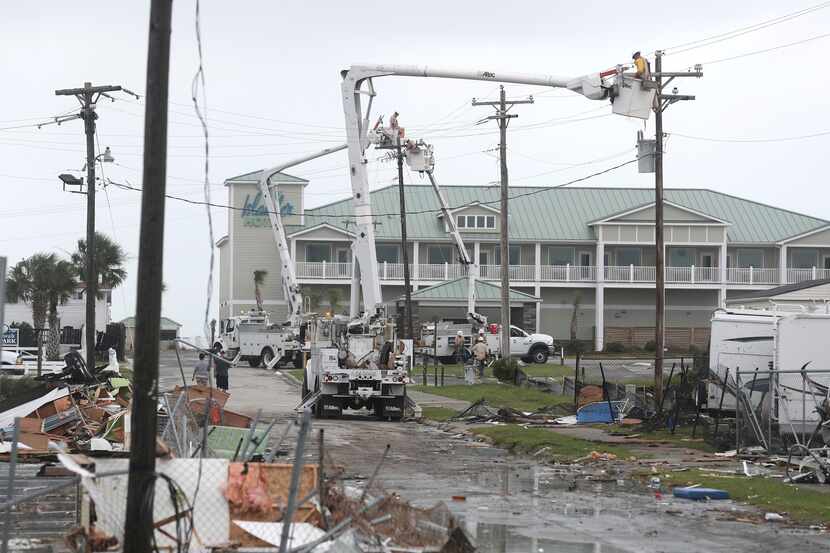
{"x": 91, "y": 272}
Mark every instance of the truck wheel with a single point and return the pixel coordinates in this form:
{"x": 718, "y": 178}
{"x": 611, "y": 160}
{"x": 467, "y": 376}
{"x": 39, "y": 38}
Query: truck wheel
{"x": 267, "y": 356}
{"x": 298, "y": 360}
{"x": 539, "y": 354}
{"x": 254, "y": 362}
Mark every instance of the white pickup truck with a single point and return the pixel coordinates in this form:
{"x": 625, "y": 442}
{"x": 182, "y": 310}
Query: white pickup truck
{"x": 531, "y": 348}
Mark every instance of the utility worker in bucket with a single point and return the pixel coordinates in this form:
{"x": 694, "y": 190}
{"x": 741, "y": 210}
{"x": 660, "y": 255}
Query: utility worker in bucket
{"x": 642, "y": 70}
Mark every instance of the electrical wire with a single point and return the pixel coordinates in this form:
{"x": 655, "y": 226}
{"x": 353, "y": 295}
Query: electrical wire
{"x": 539, "y": 190}
{"x": 765, "y": 50}
{"x": 752, "y": 140}
{"x": 714, "y": 39}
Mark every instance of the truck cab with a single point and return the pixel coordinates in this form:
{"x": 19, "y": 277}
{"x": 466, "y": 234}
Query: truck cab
{"x": 534, "y": 348}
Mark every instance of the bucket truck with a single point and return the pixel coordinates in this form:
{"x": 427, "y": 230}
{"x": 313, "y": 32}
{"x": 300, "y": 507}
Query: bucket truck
{"x": 252, "y": 335}
{"x": 330, "y": 383}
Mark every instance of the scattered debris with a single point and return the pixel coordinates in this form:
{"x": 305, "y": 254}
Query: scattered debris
{"x": 773, "y": 517}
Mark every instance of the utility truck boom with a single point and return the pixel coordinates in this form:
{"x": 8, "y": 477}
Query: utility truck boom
{"x": 636, "y": 101}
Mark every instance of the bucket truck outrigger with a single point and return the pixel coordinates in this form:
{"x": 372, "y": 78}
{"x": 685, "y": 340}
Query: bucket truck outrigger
{"x": 332, "y": 381}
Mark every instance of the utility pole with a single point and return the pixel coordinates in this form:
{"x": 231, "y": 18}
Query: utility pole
{"x": 138, "y": 525}
{"x": 408, "y": 331}
{"x": 662, "y": 101}
{"x": 88, "y": 97}
{"x": 502, "y": 107}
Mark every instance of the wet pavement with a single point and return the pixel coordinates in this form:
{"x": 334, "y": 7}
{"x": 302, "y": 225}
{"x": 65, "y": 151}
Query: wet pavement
{"x": 511, "y": 505}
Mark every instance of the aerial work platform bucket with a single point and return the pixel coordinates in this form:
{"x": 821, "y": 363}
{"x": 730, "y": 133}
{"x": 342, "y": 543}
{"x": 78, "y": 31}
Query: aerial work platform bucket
{"x": 633, "y": 97}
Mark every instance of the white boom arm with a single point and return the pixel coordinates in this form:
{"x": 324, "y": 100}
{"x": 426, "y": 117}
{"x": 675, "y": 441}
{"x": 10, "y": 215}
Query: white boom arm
{"x": 290, "y": 288}
{"x": 469, "y": 265}
{"x": 357, "y": 125}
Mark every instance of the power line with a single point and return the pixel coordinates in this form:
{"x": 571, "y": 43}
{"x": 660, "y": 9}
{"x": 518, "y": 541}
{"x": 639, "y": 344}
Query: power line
{"x": 752, "y": 140}
{"x": 536, "y": 191}
{"x": 714, "y": 39}
{"x": 765, "y": 50}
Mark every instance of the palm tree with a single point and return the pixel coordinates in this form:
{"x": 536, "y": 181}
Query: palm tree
{"x": 109, "y": 262}
{"x": 61, "y": 285}
{"x": 259, "y": 280}
{"x": 44, "y": 281}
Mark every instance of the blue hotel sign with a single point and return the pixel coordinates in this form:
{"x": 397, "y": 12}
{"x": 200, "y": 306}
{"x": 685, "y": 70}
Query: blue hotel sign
{"x": 255, "y": 213}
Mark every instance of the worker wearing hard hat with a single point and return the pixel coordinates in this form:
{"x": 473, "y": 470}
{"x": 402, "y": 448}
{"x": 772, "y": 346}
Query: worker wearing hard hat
{"x": 459, "y": 347}
{"x": 642, "y": 70}
{"x": 480, "y": 352}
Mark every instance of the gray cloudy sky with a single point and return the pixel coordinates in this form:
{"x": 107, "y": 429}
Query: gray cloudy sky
{"x": 272, "y": 72}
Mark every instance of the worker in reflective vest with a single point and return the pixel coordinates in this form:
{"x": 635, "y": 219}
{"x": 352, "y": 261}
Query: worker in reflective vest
{"x": 641, "y": 66}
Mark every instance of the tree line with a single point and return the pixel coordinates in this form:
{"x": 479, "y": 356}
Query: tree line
{"x": 45, "y": 281}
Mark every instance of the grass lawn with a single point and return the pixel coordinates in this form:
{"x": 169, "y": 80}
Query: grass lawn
{"x": 561, "y": 447}
{"x": 531, "y": 370}
{"x": 771, "y": 495}
{"x": 682, "y": 436}
{"x": 498, "y": 395}
{"x": 296, "y": 373}
{"x": 440, "y": 414}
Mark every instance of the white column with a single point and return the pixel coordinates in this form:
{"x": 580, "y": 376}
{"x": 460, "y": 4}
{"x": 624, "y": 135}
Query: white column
{"x": 538, "y": 292}
{"x": 724, "y": 273}
{"x": 782, "y": 265}
{"x": 599, "y": 318}
{"x": 416, "y": 273}
{"x": 600, "y": 262}
{"x": 599, "y": 303}
{"x": 537, "y": 273}
{"x": 477, "y": 257}
{"x": 294, "y": 252}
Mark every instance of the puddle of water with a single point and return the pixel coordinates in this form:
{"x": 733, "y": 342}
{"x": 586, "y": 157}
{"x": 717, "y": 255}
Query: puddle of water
{"x": 499, "y": 538}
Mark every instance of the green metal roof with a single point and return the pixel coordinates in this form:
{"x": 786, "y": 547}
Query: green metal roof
{"x": 456, "y": 290}
{"x": 561, "y": 214}
{"x": 166, "y": 323}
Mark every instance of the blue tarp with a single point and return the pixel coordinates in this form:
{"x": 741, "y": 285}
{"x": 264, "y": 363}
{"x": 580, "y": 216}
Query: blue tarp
{"x": 597, "y": 412}
{"x": 700, "y": 493}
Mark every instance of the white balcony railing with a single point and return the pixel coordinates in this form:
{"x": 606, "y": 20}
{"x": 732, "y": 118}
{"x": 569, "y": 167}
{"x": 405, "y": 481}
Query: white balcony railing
{"x": 516, "y": 272}
{"x": 323, "y": 270}
{"x": 393, "y": 271}
{"x": 800, "y": 275}
{"x": 440, "y": 271}
{"x": 568, "y": 273}
{"x": 751, "y": 275}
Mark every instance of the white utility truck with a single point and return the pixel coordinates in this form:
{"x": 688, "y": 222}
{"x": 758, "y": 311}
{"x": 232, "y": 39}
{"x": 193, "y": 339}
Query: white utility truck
{"x": 749, "y": 339}
{"x": 529, "y": 347}
{"x": 259, "y": 342}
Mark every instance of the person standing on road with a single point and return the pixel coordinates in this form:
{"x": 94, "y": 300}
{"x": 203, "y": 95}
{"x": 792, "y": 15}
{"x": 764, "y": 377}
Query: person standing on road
{"x": 201, "y": 372}
{"x": 480, "y": 351}
{"x": 221, "y": 368}
{"x": 459, "y": 348}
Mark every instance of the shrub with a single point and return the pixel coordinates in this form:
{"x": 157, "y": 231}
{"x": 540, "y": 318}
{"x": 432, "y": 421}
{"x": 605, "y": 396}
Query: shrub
{"x": 651, "y": 345}
{"x": 505, "y": 369}
{"x": 615, "y": 347}
{"x": 27, "y": 334}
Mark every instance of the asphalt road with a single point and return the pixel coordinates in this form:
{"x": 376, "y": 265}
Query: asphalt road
{"x": 511, "y": 505}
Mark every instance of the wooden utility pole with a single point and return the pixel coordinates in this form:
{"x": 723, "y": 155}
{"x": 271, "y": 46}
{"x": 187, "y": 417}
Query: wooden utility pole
{"x": 407, "y": 318}
{"x": 88, "y": 97}
{"x": 660, "y": 250}
{"x": 138, "y": 524}
{"x": 502, "y": 107}
{"x": 662, "y": 101}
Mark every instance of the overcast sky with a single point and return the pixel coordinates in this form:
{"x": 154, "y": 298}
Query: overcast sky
{"x": 272, "y": 71}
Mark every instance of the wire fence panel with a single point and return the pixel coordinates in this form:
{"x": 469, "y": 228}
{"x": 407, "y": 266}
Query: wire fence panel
{"x": 42, "y": 520}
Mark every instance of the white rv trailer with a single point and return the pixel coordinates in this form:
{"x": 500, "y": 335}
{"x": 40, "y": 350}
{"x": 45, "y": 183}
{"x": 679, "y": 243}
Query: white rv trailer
{"x": 749, "y": 339}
